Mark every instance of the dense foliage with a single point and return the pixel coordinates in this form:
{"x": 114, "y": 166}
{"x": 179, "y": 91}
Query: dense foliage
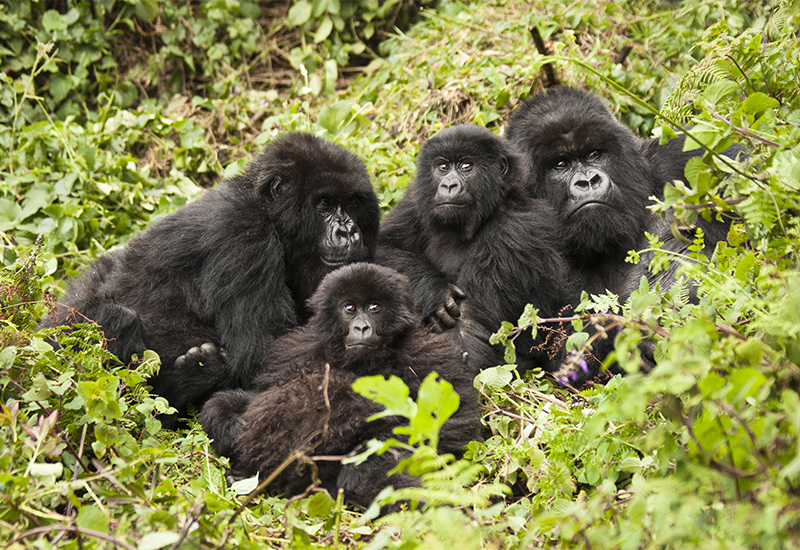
{"x": 115, "y": 112}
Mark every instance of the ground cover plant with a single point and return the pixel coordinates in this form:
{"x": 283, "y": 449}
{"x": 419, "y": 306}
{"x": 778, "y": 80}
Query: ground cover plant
{"x": 113, "y": 113}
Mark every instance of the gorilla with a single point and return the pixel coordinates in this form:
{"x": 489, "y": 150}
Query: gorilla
{"x": 364, "y": 324}
{"x": 231, "y": 270}
{"x": 599, "y": 176}
{"x": 476, "y": 247}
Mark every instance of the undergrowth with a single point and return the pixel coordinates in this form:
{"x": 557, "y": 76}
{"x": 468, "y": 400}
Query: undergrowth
{"x": 114, "y": 113}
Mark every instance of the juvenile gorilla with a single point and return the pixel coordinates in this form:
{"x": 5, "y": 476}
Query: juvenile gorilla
{"x": 475, "y": 246}
{"x": 232, "y": 269}
{"x": 363, "y": 324}
{"x": 598, "y": 175}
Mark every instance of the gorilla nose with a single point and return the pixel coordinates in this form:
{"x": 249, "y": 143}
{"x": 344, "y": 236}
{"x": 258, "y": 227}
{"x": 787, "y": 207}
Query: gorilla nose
{"x": 346, "y": 234}
{"x": 362, "y": 329}
{"x": 592, "y": 183}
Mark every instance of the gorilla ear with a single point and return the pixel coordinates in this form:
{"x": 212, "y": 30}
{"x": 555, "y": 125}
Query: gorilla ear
{"x": 504, "y": 165}
{"x": 273, "y": 187}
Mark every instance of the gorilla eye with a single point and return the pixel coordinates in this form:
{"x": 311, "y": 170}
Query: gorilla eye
{"x": 466, "y": 166}
{"x": 594, "y": 155}
{"x": 349, "y": 308}
{"x": 443, "y": 166}
{"x": 561, "y": 164}
{"x": 374, "y": 308}
{"x": 325, "y": 202}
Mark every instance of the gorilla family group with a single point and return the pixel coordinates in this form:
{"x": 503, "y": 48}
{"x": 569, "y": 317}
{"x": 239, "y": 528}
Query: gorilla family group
{"x": 263, "y": 305}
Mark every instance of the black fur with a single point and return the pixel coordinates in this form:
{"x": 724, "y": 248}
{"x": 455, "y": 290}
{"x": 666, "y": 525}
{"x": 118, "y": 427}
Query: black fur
{"x": 599, "y": 176}
{"x": 467, "y": 222}
{"x": 575, "y": 128}
{"x": 232, "y": 269}
{"x": 287, "y": 409}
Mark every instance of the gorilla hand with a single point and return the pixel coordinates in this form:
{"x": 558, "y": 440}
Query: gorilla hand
{"x": 447, "y": 313}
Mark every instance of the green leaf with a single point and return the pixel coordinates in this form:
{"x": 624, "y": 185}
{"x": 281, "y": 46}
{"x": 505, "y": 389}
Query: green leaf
{"x": 245, "y": 486}
{"x": 495, "y": 377}
{"x": 720, "y": 90}
{"x": 331, "y": 75}
{"x": 758, "y": 102}
{"x": 52, "y": 21}
{"x": 323, "y": 31}
{"x": 91, "y": 517}
{"x": 692, "y": 171}
{"x": 7, "y": 356}
{"x": 576, "y": 340}
{"x": 437, "y": 401}
{"x": 46, "y": 470}
{"x": 154, "y": 541}
{"x": 750, "y": 350}
{"x": 146, "y": 10}
{"x": 744, "y": 266}
{"x": 320, "y": 505}
{"x": 318, "y": 8}
{"x": 299, "y": 13}
{"x": 39, "y": 390}
{"x": 9, "y": 213}
{"x": 392, "y": 393}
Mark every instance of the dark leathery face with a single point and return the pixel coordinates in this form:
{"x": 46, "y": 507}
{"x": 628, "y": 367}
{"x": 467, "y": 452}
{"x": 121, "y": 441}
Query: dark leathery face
{"x": 457, "y": 165}
{"x": 364, "y": 306}
{"x": 588, "y": 166}
{"x": 342, "y": 241}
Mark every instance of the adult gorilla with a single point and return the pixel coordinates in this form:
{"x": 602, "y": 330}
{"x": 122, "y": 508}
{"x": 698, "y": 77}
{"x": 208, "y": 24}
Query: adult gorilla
{"x": 467, "y": 230}
{"x": 598, "y": 175}
{"x": 364, "y": 324}
{"x": 232, "y": 269}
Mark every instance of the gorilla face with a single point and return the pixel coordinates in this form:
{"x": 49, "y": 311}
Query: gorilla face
{"x": 340, "y": 241}
{"x": 463, "y": 178}
{"x": 453, "y": 196}
{"x": 589, "y": 167}
{"x": 364, "y": 309}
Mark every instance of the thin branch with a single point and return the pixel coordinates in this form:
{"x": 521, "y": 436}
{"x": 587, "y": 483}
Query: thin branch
{"x": 743, "y": 131}
{"x": 72, "y": 529}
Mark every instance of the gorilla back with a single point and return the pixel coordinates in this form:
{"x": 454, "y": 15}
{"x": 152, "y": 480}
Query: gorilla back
{"x": 233, "y": 268}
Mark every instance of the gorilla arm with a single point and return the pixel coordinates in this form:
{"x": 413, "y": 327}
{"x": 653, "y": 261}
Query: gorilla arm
{"x": 501, "y": 280}
{"x": 401, "y": 246}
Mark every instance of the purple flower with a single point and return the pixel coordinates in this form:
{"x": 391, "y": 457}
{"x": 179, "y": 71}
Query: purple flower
{"x": 573, "y": 376}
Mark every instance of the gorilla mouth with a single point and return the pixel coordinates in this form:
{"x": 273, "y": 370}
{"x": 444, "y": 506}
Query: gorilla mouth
{"x": 334, "y": 262}
{"x": 587, "y": 204}
{"x": 360, "y": 346}
{"x": 339, "y": 260}
{"x": 447, "y": 206}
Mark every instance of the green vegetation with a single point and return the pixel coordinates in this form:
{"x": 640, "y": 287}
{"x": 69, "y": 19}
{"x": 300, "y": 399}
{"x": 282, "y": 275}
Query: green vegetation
{"x": 115, "y": 112}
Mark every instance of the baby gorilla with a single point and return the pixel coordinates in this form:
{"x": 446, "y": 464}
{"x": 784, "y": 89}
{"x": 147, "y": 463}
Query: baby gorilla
{"x": 364, "y": 323}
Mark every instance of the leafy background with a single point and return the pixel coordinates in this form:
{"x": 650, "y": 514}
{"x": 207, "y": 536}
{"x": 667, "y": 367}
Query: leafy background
{"x": 116, "y": 112}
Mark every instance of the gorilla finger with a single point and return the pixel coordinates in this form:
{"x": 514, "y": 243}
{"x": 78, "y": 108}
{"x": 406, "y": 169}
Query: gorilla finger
{"x": 456, "y": 291}
{"x": 435, "y": 326}
{"x": 444, "y": 317}
{"x": 452, "y": 307}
